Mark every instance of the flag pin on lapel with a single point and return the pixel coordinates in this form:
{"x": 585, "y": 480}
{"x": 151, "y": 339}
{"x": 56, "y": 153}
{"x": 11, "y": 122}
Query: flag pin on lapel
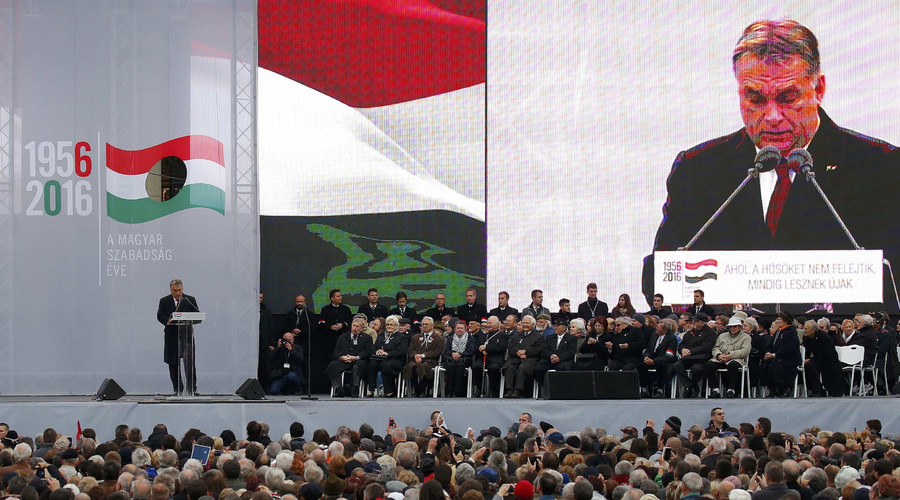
{"x": 829, "y": 168}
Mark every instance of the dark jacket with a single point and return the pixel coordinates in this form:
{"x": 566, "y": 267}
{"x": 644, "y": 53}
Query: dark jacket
{"x": 699, "y": 343}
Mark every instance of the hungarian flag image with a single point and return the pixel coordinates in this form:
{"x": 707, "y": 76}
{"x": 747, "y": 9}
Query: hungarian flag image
{"x": 139, "y": 189}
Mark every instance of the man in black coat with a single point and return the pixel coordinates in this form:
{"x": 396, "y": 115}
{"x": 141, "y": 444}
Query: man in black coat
{"x": 334, "y": 319}
{"x": 557, "y": 353}
{"x": 352, "y": 350}
{"x": 695, "y": 349}
{"x": 472, "y": 309}
{"x": 658, "y": 355}
{"x": 405, "y": 311}
{"x": 658, "y": 308}
{"x": 781, "y": 89}
{"x": 440, "y": 309}
{"x": 523, "y": 350}
{"x": 626, "y": 346}
{"x": 372, "y": 309}
{"x": 177, "y": 301}
{"x": 781, "y": 362}
{"x": 299, "y": 321}
{"x": 503, "y": 308}
{"x": 494, "y": 351}
{"x": 771, "y": 485}
{"x": 822, "y": 360}
{"x": 592, "y": 307}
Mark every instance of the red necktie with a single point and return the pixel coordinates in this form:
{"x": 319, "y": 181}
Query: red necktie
{"x": 779, "y": 196}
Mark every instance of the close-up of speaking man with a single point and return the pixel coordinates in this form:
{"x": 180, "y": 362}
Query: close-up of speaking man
{"x": 781, "y": 87}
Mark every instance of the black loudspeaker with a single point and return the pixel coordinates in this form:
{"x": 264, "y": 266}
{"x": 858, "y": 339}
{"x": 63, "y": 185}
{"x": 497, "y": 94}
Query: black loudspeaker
{"x": 617, "y": 385}
{"x": 251, "y": 389}
{"x": 109, "y": 389}
{"x": 570, "y": 385}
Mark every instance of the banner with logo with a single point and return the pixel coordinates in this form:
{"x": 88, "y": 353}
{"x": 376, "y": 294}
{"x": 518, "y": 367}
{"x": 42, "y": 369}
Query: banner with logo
{"x": 775, "y": 276}
{"x": 127, "y": 159}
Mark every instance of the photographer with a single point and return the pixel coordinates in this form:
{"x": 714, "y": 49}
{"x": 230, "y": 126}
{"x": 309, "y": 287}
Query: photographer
{"x": 286, "y": 360}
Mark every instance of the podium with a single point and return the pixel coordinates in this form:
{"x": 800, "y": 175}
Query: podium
{"x": 185, "y": 322}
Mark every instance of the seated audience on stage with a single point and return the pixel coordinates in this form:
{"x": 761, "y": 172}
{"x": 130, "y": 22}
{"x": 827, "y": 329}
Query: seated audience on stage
{"x": 782, "y": 358}
{"x": 626, "y": 345}
{"x": 387, "y": 358}
{"x": 823, "y": 370}
{"x": 523, "y": 353}
{"x": 695, "y": 350}
{"x": 422, "y": 354}
{"x": 592, "y": 353}
{"x": 730, "y": 353}
{"x": 658, "y": 355}
{"x": 351, "y": 353}
{"x": 458, "y": 351}
{"x": 557, "y": 351}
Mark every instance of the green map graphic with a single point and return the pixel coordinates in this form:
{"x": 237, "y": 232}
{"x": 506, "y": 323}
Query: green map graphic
{"x": 390, "y": 266}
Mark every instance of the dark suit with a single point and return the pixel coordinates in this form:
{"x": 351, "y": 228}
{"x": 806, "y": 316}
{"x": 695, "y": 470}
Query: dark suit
{"x": 779, "y": 372}
{"x": 823, "y": 361}
{"x": 361, "y": 348}
{"x": 857, "y": 173}
{"x": 436, "y": 314}
{"x": 587, "y": 311}
{"x": 396, "y": 347}
{"x": 517, "y": 370}
{"x": 660, "y": 313}
{"x": 171, "y": 351}
{"x": 323, "y": 343}
{"x": 626, "y": 358}
{"x": 495, "y": 348}
{"x": 379, "y": 311}
{"x": 564, "y": 347}
{"x": 468, "y": 312}
{"x": 408, "y": 313}
{"x": 868, "y": 339}
{"x": 503, "y": 313}
{"x": 298, "y": 319}
{"x": 772, "y": 492}
{"x": 701, "y": 345}
{"x": 662, "y": 355}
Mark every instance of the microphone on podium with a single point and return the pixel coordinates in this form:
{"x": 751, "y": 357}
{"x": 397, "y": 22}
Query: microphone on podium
{"x": 767, "y": 159}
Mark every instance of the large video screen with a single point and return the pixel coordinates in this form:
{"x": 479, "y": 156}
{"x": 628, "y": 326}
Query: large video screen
{"x": 591, "y": 103}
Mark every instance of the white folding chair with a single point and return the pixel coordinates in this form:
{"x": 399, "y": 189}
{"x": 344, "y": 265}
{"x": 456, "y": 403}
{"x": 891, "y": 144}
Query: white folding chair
{"x": 362, "y": 383}
{"x": 852, "y": 355}
{"x": 801, "y": 373}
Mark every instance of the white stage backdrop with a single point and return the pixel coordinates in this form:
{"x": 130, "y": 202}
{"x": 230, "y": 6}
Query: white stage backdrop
{"x": 93, "y": 94}
{"x": 590, "y": 102}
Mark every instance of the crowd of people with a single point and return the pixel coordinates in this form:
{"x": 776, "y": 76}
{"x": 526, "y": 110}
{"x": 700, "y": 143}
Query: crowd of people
{"x": 528, "y": 461}
{"x": 369, "y": 352}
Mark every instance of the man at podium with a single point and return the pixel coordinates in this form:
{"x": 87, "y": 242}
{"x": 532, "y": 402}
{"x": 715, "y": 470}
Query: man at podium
{"x": 177, "y": 301}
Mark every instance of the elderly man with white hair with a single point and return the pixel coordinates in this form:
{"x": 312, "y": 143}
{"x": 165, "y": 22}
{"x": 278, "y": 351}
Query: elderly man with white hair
{"x": 21, "y": 454}
{"x": 524, "y": 351}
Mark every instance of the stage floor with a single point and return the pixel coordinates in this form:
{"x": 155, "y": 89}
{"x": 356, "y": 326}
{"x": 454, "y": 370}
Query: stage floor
{"x": 214, "y": 413}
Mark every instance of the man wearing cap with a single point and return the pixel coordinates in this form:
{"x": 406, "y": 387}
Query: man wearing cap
{"x": 472, "y": 309}
{"x": 730, "y": 352}
{"x": 642, "y": 323}
{"x": 695, "y": 349}
{"x": 629, "y": 433}
{"x": 333, "y": 487}
{"x": 673, "y": 423}
{"x": 503, "y": 308}
{"x": 523, "y": 352}
{"x": 536, "y": 307}
{"x": 658, "y": 355}
{"x": 557, "y": 352}
{"x": 542, "y": 325}
{"x": 556, "y": 442}
{"x": 782, "y": 358}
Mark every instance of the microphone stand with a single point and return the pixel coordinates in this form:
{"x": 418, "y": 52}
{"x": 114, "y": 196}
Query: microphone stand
{"x": 806, "y": 168}
{"x": 751, "y": 173}
{"x": 309, "y": 334}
